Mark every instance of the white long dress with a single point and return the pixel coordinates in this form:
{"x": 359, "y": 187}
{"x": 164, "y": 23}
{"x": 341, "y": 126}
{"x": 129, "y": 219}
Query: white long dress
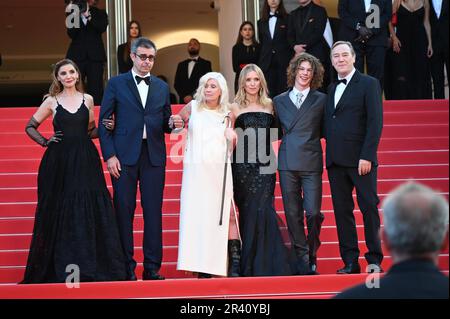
{"x": 203, "y": 242}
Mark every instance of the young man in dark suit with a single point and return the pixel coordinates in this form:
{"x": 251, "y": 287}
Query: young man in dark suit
{"x": 439, "y": 11}
{"x": 353, "y": 125}
{"x": 136, "y": 151}
{"x": 300, "y": 114}
{"x": 307, "y": 24}
{"x": 189, "y": 72}
{"x": 369, "y": 41}
{"x": 275, "y": 51}
{"x": 87, "y": 49}
{"x": 415, "y": 231}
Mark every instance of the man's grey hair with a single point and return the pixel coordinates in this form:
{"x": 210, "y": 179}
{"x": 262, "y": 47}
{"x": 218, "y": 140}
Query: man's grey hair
{"x": 415, "y": 220}
{"x": 142, "y": 43}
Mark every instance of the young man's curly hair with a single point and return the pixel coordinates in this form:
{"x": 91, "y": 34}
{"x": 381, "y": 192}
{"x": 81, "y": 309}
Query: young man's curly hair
{"x": 318, "y": 70}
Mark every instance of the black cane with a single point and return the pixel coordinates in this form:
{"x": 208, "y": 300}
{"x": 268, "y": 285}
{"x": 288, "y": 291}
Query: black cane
{"x": 224, "y": 185}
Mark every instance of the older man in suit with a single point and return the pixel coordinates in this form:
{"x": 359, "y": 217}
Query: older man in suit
{"x": 415, "y": 231}
{"x": 353, "y": 125}
{"x": 189, "y": 72}
{"x": 136, "y": 152}
{"x": 300, "y": 114}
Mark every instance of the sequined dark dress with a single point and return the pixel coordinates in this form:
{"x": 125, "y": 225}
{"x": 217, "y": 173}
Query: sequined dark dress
{"x": 263, "y": 250}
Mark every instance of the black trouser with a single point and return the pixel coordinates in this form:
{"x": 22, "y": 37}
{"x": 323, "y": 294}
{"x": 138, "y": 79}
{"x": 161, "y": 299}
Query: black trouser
{"x": 151, "y": 183}
{"x": 342, "y": 182}
{"x": 438, "y": 60}
{"x": 374, "y": 57}
{"x": 302, "y": 192}
{"x": 276, "y": 78}
{"x": 92, "y": 75}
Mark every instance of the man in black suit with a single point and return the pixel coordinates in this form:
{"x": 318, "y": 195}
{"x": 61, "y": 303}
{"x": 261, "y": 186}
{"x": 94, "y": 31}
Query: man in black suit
{"x": 439, "y": 11}
{"x": 189, "y": 72}
{"x": 275, "y": 51}
{"x": 368, "y": 38}
{"x": 415, "y": 230}
{"x": 353, "y": 125}
{"x": 300, "y": 114}
{"x": 136, "y": 151}
{"x": 305, "y": 33}
{"x": 87, "y": 49}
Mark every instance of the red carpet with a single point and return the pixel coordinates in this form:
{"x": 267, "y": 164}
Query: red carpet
{"x": 415, "y": 145}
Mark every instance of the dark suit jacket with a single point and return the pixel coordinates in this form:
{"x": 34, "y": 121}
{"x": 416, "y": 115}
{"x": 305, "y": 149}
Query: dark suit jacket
{"x": 353, "y": 128}
{"x": 300, "y": 148}
{"x": 439, "y": 27}
{"x": 353, "y": 12}
{"x": 122, "y": 99}
{"x": 310, "y": 32}
{"x": 125, "y": 65}
{"x": 188, "y": 86}
{"x": 412, "y": 279}
{"x": 87, "y": 42}
{"x": 277, "y": 48}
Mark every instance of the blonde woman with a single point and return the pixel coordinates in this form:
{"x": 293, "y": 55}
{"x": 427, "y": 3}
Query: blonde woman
{"x": 254, "y": 167}
{"x": 203, "y": 238}
{"x": 75, "y": 224}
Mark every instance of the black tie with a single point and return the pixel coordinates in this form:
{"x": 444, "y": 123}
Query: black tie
{"x": 139, "y": 79}
{"x": 273, "y": 16}
{"x": 193, "y": 60}
{"x": 342, "y": 81}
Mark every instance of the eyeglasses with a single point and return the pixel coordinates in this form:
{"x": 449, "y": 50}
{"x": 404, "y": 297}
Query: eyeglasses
{"x": 144, "y": 57}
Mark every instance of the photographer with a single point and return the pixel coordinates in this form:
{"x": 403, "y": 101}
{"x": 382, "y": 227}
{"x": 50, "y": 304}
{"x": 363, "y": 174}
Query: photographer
{"x": 87, "y": 49}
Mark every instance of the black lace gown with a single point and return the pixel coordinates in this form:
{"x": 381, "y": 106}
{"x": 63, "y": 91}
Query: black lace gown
{"x": 263, "y": 250}
{"x": 75, "y": 222}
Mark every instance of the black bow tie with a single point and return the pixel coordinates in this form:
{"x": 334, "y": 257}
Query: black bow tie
{"x": 193, "y": 60}
{"x": 273, "y": 16}
{"x": 139, "y": 79}
{"x": 341, "y": 81}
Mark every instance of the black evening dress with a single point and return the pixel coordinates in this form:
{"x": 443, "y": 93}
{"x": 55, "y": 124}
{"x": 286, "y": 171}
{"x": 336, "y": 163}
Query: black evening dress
{"x": 412, "y": 77}
{"x": 75, "y": 226}
{"x": 263, "y": 251}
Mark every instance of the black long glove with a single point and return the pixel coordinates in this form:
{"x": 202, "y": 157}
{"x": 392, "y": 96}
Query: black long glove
{"x": 33, "y": 133}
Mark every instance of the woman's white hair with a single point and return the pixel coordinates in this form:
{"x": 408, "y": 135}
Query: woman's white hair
{"x": 224, "y": 97}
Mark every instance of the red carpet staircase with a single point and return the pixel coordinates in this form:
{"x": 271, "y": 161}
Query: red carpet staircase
{"x": 414, "y": 146}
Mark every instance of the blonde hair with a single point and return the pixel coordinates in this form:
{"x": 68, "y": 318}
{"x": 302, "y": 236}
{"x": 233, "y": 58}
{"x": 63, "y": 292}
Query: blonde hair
{"x": 57, "y": 87}
{"x": 263, "y": 95}
{"x": 224, "y": 97}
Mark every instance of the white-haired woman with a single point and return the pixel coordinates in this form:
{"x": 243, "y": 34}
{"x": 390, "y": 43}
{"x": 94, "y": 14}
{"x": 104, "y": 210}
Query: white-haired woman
{"x": 203, "y": 239}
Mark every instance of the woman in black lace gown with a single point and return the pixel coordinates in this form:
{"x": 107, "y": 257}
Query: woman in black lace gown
{"x": 254, "y": 176}
{"x": 75, "y": 228}
{"x": 411, "y": 42}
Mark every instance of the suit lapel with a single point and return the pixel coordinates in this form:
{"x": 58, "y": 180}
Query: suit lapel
{"x": 133, "y": 88}
{"x": 147, "y": 103}
{"x": 348, "y": 90}
{"x": 306, "y": 105}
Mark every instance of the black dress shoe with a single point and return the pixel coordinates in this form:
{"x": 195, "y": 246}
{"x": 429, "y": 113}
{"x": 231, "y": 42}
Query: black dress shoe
{"x": 374, "y": 268}
{"x": 132, "y": 276}
{"x": 151, "y": 275}
{"x": 202, "y": 275}
{"x": 350, "y": 269}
